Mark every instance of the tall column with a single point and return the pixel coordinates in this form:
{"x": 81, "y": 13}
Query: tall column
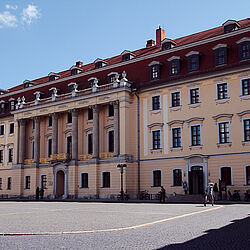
{"x": 54, "y": 133}
{"x": 116, "y": 128}
{"x": 22, "y": 141}
{"x": 74, "y": 135}
{"x": 37, "y": 140}
{"x": 96, "y": 131}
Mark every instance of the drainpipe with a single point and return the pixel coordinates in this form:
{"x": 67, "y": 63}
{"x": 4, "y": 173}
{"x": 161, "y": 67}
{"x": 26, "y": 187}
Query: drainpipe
{"x": 138, "y": 143}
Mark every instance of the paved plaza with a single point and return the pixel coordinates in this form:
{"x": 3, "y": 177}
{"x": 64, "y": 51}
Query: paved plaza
{"x": 90, "y": 225}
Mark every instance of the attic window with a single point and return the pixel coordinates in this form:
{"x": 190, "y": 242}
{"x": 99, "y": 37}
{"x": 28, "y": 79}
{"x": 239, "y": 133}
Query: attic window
{"x": 243, "y": 48}
{"x": 2, "y": 107}
{"x": 220, "y": 54}
{"x": 53, "y": 77}
{"x": 167, "y": 44}
{"x": 127, "y": 55}
{"x": 174, "y": 65}
{"x": 27, "y": 84}
{"x": 230, "y": 25}
{"x": 155, "y": 70}
{"x": 112, "y": 77}
{"x": 75, "y": 71}
{"x": 193, "y": 61}
{"x": 12, "y": 102}
{"x": 99, "y": 63}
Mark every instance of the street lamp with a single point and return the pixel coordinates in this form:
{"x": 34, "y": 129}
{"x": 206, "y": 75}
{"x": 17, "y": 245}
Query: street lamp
{"x": 122, "y": 167}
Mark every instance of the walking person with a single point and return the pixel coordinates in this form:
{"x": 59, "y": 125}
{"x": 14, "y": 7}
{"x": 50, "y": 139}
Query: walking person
{"x": 185, "y": 187}
{"x": 216, "y": 190}
{"x": 37, "y": 193}
{"x": 163, "y": 194}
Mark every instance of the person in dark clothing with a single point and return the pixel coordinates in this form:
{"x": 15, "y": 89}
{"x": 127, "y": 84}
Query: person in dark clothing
{"x": 163, "y": 194}
{"x": 41, "y": 193}
{"x": 37, "y": 193}
{"x": 216, "y": 190}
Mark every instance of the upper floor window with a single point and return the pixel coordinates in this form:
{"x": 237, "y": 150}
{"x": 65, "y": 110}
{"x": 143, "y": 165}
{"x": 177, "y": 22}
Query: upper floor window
{"x": 2, "y": 107}
{"x": 127, "y": 55}
{"x": 112, "y": 77}
{"x": 174, "y": 67}
{"x": 193, "y": 61}
{"x": 230, "y": 25}
{"x": 12, "y": 104}
{"x": 156, "y": 139}
{"x": 244, "y": 50}
{"x": 90, "y": 114}
{"x": 167, "y": 44}
{"x": 10, "y": 154}
{"x": 84, "y": 180}
{"x": 156, "y": 178}
{"x": 69, "y": 146}
{"x": 176, "y": 137}
{"x": 111, "y": 141}
{"x": 220, "y": 54}
{"x": 176, "y": 99}
{"x": 90, "y": 143}
{"x": 246, "y": 87}
{"x": 1, "y": 129}
{"x": 99, "y": 63}
{"x": 50, "y": 121}
{"x": 1, "y": 156}
{"x": 246, "y": 124}
{"x": 194, "y": 95}
{"x": 53, "y": 77}
{"x": 111, "y": 110}
{"x": 9, "y": 183}
{"x": 222, "y": 91}
{"x": 106, "y": 179}
{"x": 196, "y": 135}
{"x": 27, "y": 84}
{"x": 12, "y": 126}
{"x": 177, "y": 177}
{"x": 154, "y": 70}
{"x": 69, "y": 117}
{"x": 224, "y": 133}
{"x": 156, "y": 105}
{"x": 75, "y": 71}
{"x": 49, "y": 147}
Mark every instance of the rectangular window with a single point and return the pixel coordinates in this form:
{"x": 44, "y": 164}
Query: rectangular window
{"x": 177, "y": 177}
{"x": 106, "y": 179}
{"x": 247, "y": 130}
{"x": 1, "y": 183}
{"x": 248, "y": 175}
{"x": 27, "y": 182}
{"x": 156, "y": 105}
{"x": 69, "y": 117}
{"x": 50, "y": 121}
{"x": 49, "y": 147}
{"x": 1, "y": 129}
{"x": 84, "y": 180}
{"x": 1, "y": 155}
{"x": 44, "y": 181}
{"x": 10, "y": 154}
{"x": 246, "y": 87}
{"x": 33, "y": 149}
{"x": 12, "y": 106}
{"x": 174, "y": 67}
{"x": 155, "y": 72}
{"x": 69, "y": 146}
{"x": 194, "y": 96}
{"x": 90, "y": 114}
{"x": 244, "y": 51}
{"x": 176, "y": 137}
{"x": 111, "y": 141}
{"x": 9, "y": 183}
{"x": 33, "y": 124}
{"x": 2, "y": 108}
{"x": 156, "y": 178}
{"x": 222, "y": 91}
{"x": 224, "y": 132}
{"x": 90, "y": 144}
{"x": 176, "y": 99}
{"x": 111, "y": 110}
{"x": 12, "y": 128}
{"x": 220, "y": 56}
{"x": 196, "y": 135}
{"x": 156, "y": 139}
{"x": 193, "y": 63}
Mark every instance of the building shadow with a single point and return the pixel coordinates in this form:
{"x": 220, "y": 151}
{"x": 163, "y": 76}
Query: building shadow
{"x": 233, "y": 236}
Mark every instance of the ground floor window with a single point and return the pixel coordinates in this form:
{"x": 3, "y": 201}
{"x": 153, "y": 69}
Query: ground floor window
{"x": 248, "y": 175}
{"x": 1, "y": 183}
{"x": 177, "y": 177}
{"x": 106, "y": 179}
{"x": 84, "y": 180}
{"x": 9, "y": 183}
{"x": 156, "y": 178}
{"x": 226, "y": 175}
{"x": 43, "y": 181}
{"x": 27, "y": 182}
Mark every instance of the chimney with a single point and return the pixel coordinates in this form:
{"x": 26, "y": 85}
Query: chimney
{"x": 79, "y": 64}
{"x": 150, "y": 43}
{"x": 160, "y": 35}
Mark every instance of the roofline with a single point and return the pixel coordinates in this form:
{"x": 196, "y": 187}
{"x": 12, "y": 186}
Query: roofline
{"x": 136, "y": 59}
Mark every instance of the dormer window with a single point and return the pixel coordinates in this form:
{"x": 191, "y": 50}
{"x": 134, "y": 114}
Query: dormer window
{"x": 220, "y": 54}
{"x": 2, "y": 91}
{"x": 230, "y": 25}
{"x": 155, "y": 70}
{"x": 53, "y": 77}
{"x": 113, "y": 76}
{"x": 193, "y": 61}
{"x": 174, "y": 65}
{"x": 12, "y": 102}
{"x": 75, "y": 71}
{"x": 27, "y": 84}
{"x": 167, "y": 44}
{"x": 127, "y": 55}
{"x": 99, "y": 63}
{"x": 2, "y": 107}
{"x": 243, "y": 48}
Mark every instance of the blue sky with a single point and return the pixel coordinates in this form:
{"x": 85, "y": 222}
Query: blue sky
{"x": 39, "y": 37}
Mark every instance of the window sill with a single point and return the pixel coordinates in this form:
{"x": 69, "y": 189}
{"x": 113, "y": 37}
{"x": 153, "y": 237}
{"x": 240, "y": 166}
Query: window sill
{"x": 110, "y": 118}
{"x": 90, "y": 121}
{"x": 68, "y": 124}
{"x": 245, "y": 97}
{"x": 194, "y": 105}
{"x": 175, "y": 108}
{"x": 155, "y": 150}
{"x": 222, "y": 101}
{"x": 226, "y": 144}
{"x": 195, "y": 147}
{"x": 84, "y": 187}
{"x": 176, "y": 149}
{"x": 105, "y": 187}
{"x": 221, "y": 65}
{"x": 155, "y": 111}
{"x": 245, "y": 143}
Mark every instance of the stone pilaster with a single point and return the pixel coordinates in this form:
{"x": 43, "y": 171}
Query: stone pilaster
{"x": 37, "y": 140}
{"x": 95, "y": 131}
{"x": 116, "y": 128}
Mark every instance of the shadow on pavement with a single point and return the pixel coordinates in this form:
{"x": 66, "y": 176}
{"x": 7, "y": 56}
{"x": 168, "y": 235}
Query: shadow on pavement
{"x": 232, "y": 236}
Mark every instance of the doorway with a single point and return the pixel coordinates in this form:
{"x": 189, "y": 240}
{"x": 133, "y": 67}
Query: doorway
{"x": 196, "y": 180}
{"x": 60, "y": 178}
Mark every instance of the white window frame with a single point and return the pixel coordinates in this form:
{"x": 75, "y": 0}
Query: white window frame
{"x": 151, "y": 104}
{"x": 190, "y": 134}
{"x": 243, "y": 129}
{"x": 152, "y": 139}
{"x": 172, "y": 92}
{"x": 156, "y": 169}
{"x": 189, "y": 96}
{"x": 106, "y": 171}
{"x": 182, "y": 175}
{"x": 3, "y": 129}
{"x": 14, "y": 128}
{"x": 172, "y": 146}
{"x": 228, "y": 96}
{"x": 218, "y": 132}
{"x": 81, "y": 179}
{"x": 226, "y": 166}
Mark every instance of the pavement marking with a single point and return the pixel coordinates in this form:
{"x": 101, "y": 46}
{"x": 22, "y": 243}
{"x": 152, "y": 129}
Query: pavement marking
{"x": 113, "y": 229}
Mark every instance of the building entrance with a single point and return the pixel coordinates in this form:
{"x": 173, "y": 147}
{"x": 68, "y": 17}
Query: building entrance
{"x": 60, "y": 180}
{"x": 196, "y": 180}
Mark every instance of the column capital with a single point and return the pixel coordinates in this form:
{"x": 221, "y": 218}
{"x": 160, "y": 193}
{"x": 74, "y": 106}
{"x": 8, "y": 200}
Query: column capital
{"x": 115, "y": 103}
{"x": 95, "y": 108}
{"x": 54, "y": 115}
{"x": 22, "y": 122}
{"x": 36, "y": 119}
